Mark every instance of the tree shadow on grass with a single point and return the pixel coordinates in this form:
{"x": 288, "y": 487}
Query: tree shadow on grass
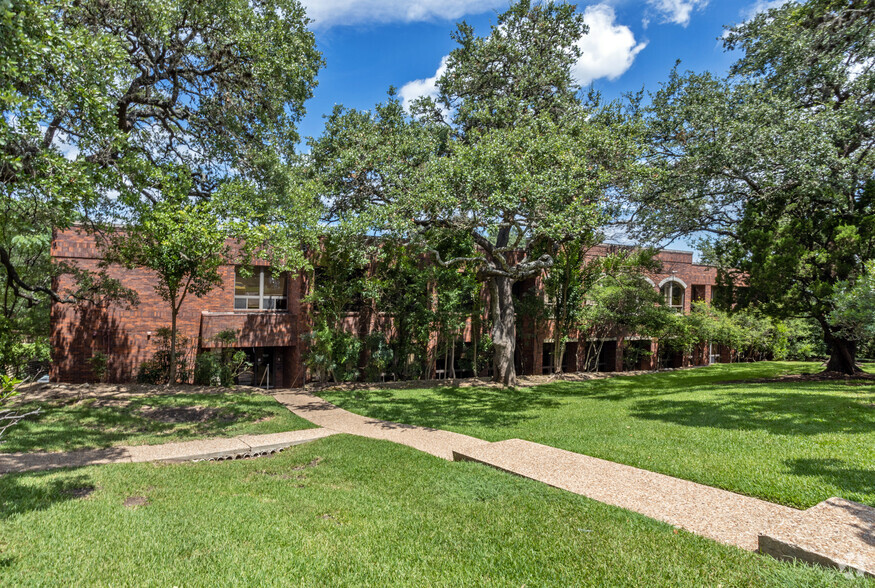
{"x": 452, "y": 406}
{"x": 83, "y": 425}
{"x": 856, "y": 483}
{"x": 23, "y": 493}
{"x": 665, "y": 383}
{"x": 781, "y": 412}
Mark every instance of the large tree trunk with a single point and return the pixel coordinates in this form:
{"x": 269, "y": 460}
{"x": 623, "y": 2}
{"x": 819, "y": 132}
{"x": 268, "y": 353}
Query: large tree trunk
{"x": 843, "y": 356}
{"x": 503, "y": 330}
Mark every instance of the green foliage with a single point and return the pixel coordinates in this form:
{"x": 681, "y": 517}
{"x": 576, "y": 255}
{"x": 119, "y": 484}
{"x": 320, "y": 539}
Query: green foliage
{"x": 854, "y": 306}
{"x": 99, "y": 362}
{"x": 333, "y": 355}
{"x": 183, "y": 244}
{"x": 775, "y": 161}
{"x": 509, "y": 160}
{"x": 111, "y": 107}
{"x": 622, "y": 302}
{"x": 8, "y": 391}
{"x": 222, "y": 365}
{"x": 156, "y": 370}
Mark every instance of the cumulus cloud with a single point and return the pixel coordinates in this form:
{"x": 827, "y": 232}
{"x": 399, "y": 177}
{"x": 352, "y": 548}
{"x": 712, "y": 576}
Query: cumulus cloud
{"x": 328, "y": 13}
{"x": 762, "y": 6}
{"x": 424, "y": 87}
{"x": 677, "y": 11}
{"x": 608, "y": 50}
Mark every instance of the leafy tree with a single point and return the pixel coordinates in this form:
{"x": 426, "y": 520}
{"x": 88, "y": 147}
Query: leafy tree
{"x": 621, "y": 302}
{"x": 183, "y": 245}
{"x": 575, "y": 274}
{"x": 853, "y": 310}
{"x": 109, "y": 106}
{"x": 508, "y": 157}
{"x": 776, "y": 161}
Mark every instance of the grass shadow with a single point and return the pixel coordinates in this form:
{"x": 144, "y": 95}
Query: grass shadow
{"x": 452, "y": 406}
{"x": 780, "y": 412}
{"x": 89, "y": 424}
{"x": 23, "y": 493}
{"x": 852, "y": 480}
{"x": 665, "y": 383}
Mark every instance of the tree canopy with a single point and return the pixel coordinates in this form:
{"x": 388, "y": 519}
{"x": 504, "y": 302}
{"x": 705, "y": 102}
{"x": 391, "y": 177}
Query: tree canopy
{"x": 775, "y": 161}
{"x": 509, "y": 157}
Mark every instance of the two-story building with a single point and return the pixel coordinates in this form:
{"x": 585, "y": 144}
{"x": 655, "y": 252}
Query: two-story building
{"x": 268, "y": 320}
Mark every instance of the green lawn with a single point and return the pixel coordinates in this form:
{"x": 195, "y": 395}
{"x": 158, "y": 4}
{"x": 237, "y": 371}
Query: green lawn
{"x": 70, "y": 423}
{"x": 795, "y": 443}
{"x": 347, "y": 511}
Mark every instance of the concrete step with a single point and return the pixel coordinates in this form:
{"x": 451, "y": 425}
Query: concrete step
{"x": 837, "y": 533}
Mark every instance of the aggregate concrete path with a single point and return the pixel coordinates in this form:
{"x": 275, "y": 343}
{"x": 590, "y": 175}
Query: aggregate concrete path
{"x": 320, "y": 412}
{"x": 240, "y": 446}
{"x": 837, "y": 532}
{"x": 718, "y": 514}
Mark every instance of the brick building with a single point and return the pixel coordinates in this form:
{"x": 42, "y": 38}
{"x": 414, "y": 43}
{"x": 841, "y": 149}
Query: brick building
{"x": 268, "y": 319}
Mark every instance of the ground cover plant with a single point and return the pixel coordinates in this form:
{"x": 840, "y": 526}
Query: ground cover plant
{"x": 789, "y": 440}
{"x": 104, "y": 419}
{"x": 347, "y": 511}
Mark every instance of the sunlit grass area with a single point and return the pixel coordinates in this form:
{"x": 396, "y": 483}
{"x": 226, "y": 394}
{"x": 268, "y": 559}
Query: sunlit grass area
{"x": 347, "y": 511}
{"x": 789, "y": 441}
{"x": 71, "y": 423}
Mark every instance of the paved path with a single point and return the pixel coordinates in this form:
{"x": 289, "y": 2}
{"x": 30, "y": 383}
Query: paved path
{"x": 243, "y": 445}
{"x": 836, "y": 532}
{"x": 433, "y": 441}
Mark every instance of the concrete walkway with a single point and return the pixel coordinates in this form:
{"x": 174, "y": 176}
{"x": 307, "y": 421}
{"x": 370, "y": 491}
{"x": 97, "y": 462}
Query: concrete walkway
{"x": 241, "y": 446}
{"x": 434, "y": 441}
{"x": 836, "y": 532}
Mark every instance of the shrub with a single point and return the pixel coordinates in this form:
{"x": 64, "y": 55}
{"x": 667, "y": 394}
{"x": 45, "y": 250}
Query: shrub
{"x": 99, "y": 365}
{"x": 157, "y": 369}
{"x": 221, "y": 366}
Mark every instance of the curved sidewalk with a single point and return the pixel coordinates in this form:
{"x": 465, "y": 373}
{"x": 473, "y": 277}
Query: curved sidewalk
{"x": 320, "y": 412}
{"x": 224, "y": 448}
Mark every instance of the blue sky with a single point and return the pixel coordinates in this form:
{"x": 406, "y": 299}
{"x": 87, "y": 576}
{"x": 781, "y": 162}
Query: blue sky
{"x": 370, "y": 45}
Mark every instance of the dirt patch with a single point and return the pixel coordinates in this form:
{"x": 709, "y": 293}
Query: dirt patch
{"x": 135, "y": 501}
{"x": 305, "y": 466}
{"x": 79, "y": 492}
{"x": 522, "y": 381}
{"x": 189, "y": 414}
{"x": 41, "y": 392}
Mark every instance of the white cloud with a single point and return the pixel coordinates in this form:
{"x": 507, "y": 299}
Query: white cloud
{"x": 328, "y": 13}
{"x": 608, "y": 50}
{"x": 762, "y": 6}
{"x": 424, "y": 87}
{"x": 677, "y": 11}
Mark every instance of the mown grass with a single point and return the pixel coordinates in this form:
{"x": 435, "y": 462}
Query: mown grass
{"x": 346, "y": 511}
{"x": 795, "y": 443}
{"x": 71, "y": 423}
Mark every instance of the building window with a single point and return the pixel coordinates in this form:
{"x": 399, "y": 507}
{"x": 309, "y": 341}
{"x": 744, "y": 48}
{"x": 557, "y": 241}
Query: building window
{"x": 673, "y": 294}
{"x": 260, "y": 290}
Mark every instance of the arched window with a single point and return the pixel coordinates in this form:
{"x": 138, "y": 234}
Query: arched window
{"x": 673, "y": 293}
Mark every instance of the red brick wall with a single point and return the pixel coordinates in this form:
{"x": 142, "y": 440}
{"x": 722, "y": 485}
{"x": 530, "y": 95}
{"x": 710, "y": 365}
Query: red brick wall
{"x": 128, "y": 335}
